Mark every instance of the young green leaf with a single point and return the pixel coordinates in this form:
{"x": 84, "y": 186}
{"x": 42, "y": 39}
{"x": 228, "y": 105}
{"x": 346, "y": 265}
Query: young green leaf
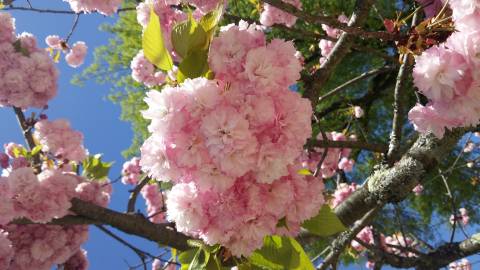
{"x": 188, "y": 37}
{"x": 193, "y": 66}
{"x": 94, "y": 168}
{"x": 281, "y": 253}
{"x": 154, "y": 46}
{"x": 326, "y": 223}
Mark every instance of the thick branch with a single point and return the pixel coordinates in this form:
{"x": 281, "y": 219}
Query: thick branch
{"x": 388, "y": 185}
{"x": 132, "y": 224}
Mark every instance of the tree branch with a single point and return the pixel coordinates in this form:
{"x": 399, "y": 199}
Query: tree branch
{"x": 131, "y": 224}
{"x": 133, "y": 196}
{"x": 314, "y": 84}
{"x": 394, "y": 184}
{"x": 362, "y": 76}
{"x": 399, "y": 102}
{"x": 331, "y": 21}
{"x": 56, "y": 11}
{"x": 379, "y": 148}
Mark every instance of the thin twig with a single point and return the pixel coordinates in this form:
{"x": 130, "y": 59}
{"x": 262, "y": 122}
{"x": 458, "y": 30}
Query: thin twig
{"x": 363, "y": 76}
{"x": 74, "y": 26}
{"x": 140, "y": 253}
{"x": 133, "y": 196}
{"x": 332, "y": 21}
{"x": 374, "y": 147}
{"x": 56, "y": 11}
{"x": 398, "y": 105}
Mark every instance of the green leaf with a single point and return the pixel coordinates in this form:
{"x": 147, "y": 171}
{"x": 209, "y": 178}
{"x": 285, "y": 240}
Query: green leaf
{"x": 193, "y": 66}
{"x": 154, "y": 46}
{"x": 186, "y": 257}
{"x": 36, "y": 150}
{"x": 210, "y": 20}
{"x": 95, "y": 168}
{"x": 304, "y": 172}
{"x": 326, "y": 223}
{"x": 189, "y": 36}
{"x": 281, "y": 253}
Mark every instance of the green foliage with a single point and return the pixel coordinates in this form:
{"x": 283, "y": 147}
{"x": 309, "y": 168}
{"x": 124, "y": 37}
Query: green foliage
{"x": 154, "y": 45}
{"x": 280, "y": 253}
{"x": 188, "y": 37}
{"x": 94, "y": 168}
{"x": 325, "y": 223}
{"x": 201, "y": 257}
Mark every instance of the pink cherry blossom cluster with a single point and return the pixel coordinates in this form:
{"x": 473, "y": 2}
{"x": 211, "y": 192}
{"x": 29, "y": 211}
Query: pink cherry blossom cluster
{"x": 144, "y": 72}
{"x": 448, "y": 75}
{"x": 241, "y": 216}
{"x": 152, "y": 194}
{"x": 28, "y": 77}
{"x": 59, "y": 139}
{"x": 272, "y": 15}
{"x": 388, "y": 243}
{"x": 229, "y": 145}
{"x": 6, "y": 250}
{"x": 366, "y": 235}
{"x": 40, "y": 198}
{"x": 400, "y": 241}
{"x": 154, "y": 199}
{"x": 75, "y": 55}
{"x": 9, "y": 160}
{"x": 336, "y": 158}
{"x": 105, "y": 7}
{"x": 463, "y": 217}
{"x": 42, "y": 246}
{"x": 78, "y": 261}
{"x": 326, "y": 46}
{"x": 463, "y": 264}
{"x": 342, "y": 192}
{"x": 131, "y": 171}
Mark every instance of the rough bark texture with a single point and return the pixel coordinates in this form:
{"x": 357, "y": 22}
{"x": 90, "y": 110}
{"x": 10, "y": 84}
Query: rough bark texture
{"x": 393, "y": 184}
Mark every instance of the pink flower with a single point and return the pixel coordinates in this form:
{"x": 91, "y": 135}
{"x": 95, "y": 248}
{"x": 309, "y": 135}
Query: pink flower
{"x": 28, "y": 77}
{"x": 54, "y": 42}
{"x": 366, "y": 235}
{"x": 6, "y": 250}
{"x": 358, "y": 112}
{"x": 78, "y": 261}
{"x": 440, "y": 74}
{"x": 58, "y": 138}
{"x": 228, "y": 51}
{"x": 76, "y": 56}
{"x": 105, "y": 7}
{"x": 144, "y": 72}
{"x": 44, "y": 245}
{"x": 155, "y": 202}
{"x": 428, "y": 119}
{"x": 418, "y": 190}
{"x": 346, "y": 164}
{"x": 7, "y": 28}
{"x": 272, "y": 15}
{"x": 342, "y": 192}
{"x": 131, "y": 171}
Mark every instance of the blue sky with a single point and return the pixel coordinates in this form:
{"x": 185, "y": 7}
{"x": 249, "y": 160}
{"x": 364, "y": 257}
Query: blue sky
{"x": 88, "y": 111}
